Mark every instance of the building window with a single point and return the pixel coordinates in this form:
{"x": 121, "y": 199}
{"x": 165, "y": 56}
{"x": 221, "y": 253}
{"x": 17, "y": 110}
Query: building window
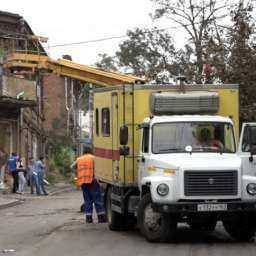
{"x": 105, "y": 122}
{"x": 97, "y": 122}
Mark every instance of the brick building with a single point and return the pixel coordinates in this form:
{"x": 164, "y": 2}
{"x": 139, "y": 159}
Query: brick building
{"x": 62, "y": 107}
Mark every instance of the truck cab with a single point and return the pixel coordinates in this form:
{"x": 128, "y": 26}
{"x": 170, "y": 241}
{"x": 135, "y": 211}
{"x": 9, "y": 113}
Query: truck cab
{"x": 190, "y": 170}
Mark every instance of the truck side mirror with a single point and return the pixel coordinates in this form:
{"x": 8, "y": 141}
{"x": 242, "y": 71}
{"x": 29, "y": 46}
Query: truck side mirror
{"x": 123, "y": 135}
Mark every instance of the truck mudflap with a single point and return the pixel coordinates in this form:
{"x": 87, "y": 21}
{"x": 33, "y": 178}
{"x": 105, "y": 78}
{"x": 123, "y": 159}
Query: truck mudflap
{"x": 197, "y": 207}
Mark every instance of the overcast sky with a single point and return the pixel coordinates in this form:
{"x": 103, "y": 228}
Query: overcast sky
{"x": 81, "y": 20}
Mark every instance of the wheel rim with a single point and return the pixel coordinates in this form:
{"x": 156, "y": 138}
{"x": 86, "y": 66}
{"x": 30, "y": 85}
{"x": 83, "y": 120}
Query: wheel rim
{"x": 152, "y": 220}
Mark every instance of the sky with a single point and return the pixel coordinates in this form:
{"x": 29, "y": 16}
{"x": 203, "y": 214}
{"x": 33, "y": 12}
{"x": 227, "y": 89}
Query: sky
{"x": 81, "y": 20}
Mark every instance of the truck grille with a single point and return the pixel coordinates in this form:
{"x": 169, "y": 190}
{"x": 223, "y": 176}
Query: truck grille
{"x": 213, "y": 183}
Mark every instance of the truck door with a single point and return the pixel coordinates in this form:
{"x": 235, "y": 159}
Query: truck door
{"x": 247, "y": 148}
{"x": 144, "y": 154}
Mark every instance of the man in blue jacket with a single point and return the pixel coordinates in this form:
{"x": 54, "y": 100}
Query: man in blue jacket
{"x": 12, "y": 168}
{"x": 40, "y": 169}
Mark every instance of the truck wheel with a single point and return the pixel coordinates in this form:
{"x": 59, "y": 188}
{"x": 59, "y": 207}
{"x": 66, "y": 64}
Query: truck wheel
{"x": 115, "y": 219}
{"x": 156, "y": 227}
{"x": 240, "y": 229}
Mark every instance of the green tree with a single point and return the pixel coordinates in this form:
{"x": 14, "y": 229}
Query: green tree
{"x": 242, "y": 61}
{"x": 147, "y": 52}
{"x": 107, "y": 62}
{"x": 144, "y": 53}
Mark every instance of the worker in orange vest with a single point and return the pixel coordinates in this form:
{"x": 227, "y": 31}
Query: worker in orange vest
{"x": 90, "y": 186}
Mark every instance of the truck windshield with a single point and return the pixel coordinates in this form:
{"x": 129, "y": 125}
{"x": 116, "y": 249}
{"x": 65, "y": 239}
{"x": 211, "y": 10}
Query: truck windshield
{"x": 193, "y": 137}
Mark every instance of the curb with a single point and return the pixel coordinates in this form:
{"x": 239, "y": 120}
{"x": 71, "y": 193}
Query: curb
{"x": 11, "y": 204}
{"x": 61, "y": 190}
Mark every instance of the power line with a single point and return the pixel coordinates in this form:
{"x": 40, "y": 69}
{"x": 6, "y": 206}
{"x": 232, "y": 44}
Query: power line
{"x": 123, "y": 36}
{"x": 109, "y": 38}
{"x": 89, "y": 41}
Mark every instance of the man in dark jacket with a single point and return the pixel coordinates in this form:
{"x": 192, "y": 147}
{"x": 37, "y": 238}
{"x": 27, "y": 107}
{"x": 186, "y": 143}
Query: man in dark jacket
{"x": 12, "y": 168}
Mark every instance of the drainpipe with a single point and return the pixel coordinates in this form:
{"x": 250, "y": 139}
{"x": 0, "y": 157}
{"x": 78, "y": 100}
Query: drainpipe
{"x": 72, "y": 107}
{"x": 20, "y": 133}
{"x": 66, "y": 102}
{"x": 90, "y": 112}
{"x": 80, "y": 113}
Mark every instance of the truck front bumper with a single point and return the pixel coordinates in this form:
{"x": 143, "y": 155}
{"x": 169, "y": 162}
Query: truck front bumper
{"x": 198, "y": 207}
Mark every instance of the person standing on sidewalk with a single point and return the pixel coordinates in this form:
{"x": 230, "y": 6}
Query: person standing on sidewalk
{"x": 21, "y": 174}
{"x": 40, "y": 169}
{"x": 90, "y": 186}
{"x": 33, "y": 177}
{"x": 12, "y": 168}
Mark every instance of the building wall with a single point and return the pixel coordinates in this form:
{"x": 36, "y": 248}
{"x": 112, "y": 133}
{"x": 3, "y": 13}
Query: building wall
{"x": 61, "y": 107}
{"x": 54, "y": 103}
{"x": 21, "y": 128}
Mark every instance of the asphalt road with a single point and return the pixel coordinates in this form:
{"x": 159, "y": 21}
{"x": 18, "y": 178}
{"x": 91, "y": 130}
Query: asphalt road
{"x": 53, "y": 226}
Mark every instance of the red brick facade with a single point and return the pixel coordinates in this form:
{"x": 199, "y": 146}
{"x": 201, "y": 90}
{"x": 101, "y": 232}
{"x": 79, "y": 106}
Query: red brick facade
{"x": 54, "y": 102}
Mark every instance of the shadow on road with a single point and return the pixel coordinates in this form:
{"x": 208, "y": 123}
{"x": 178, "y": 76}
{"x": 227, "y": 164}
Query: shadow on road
{"x": 185, "y": 235}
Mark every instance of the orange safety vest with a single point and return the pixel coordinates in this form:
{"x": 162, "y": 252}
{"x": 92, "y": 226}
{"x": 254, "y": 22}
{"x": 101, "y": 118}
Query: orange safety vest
{"x": 85, "y": 169}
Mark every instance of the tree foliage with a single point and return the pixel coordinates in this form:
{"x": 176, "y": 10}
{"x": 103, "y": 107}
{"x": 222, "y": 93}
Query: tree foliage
{"x": 242, "y": 60}
{"x": 107, "y": 62}
{"x": 199, "y": 18}
{"x": 146, "y": 51}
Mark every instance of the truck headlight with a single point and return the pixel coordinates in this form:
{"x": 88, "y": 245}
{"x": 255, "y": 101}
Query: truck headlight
{"x": 162, "y": 189}
{"x": 251, "y": 189}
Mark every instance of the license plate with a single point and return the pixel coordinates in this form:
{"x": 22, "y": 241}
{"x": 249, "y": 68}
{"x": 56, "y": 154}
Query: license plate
{"x": 211, "y": 207}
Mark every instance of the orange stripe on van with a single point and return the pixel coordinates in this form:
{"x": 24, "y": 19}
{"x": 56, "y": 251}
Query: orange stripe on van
{"x": 107, "y": 153}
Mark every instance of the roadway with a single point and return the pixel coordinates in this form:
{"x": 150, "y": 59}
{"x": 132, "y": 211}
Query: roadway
{"x": 53, "y": 226}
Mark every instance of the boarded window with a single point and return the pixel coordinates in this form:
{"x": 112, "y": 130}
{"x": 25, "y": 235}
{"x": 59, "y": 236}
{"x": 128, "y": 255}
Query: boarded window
{"x": 105, "y": 122}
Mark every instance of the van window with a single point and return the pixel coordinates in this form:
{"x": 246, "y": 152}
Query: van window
{"x": 145, "y": 140}
{"x": 97, "y": 122}
{"x": 105, "y": 122}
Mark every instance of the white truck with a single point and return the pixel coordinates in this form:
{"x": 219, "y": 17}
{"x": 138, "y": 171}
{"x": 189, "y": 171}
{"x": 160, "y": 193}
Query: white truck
{"x": 176, "y": 161}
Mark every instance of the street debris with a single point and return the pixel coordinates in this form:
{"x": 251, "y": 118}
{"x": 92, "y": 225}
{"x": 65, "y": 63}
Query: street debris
{"x": 8, "y": 251}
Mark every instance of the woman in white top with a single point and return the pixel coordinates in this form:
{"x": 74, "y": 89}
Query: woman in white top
{"x": 21, "y": 174}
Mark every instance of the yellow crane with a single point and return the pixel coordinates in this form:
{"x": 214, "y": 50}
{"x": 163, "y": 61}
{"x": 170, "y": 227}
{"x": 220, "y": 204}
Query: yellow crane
{"x": 35, "y": 62}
